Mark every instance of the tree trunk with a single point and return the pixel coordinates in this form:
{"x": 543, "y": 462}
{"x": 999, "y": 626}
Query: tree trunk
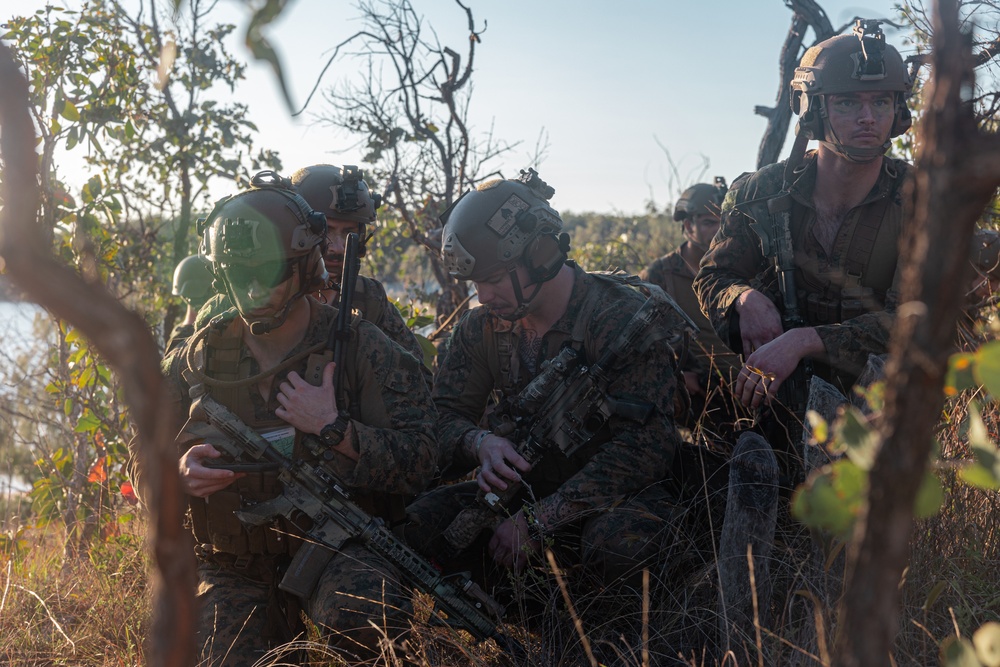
{"x": 806, "y": 14}
{"x": 957, "y": 172}
{"x": 121, "y": 337}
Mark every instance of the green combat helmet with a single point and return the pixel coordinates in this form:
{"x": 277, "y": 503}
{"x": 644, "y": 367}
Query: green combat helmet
{"x": 257, "y": 239}
{"x": 502, "y": 224}
{"x": 701, "y": 198}
{"x": 340, "y": 193}
{"x": 193, "y": 280}
{"x": 853, "y": 63}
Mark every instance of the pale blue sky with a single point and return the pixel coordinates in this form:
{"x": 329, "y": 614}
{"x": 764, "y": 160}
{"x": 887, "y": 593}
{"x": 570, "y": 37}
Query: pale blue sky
{"x": 604, "y": 80}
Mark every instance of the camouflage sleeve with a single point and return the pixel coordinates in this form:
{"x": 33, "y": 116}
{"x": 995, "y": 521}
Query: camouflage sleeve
{"x": 637, "y": 454}
{"x": 462, "y": 386}
{"x": 731, "y": 266}
{"x": 654, "y": 273}
{"x": 394, "y": 427}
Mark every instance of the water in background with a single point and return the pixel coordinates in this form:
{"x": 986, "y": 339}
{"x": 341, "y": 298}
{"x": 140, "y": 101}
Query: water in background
{"x": 20, "y": 348}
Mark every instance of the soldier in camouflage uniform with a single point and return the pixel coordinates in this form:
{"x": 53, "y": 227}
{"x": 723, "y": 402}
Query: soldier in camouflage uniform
{"x": 342, "y": 194}
{"x": 193, "y": 283}
{"x": 710, "y": 366}
{"x": 604, "y": 506}
{"x": 344, "y": 197}
{"x": 845, "y": 222}
{"x": 266, "y": 247}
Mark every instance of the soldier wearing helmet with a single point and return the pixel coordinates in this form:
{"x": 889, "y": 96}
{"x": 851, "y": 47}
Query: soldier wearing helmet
{"x": 508, "y": 241}
{"x": 193, "y": 283}
{"x": 839, "y": 208}
{"x": 375, "y": 423}
{"x": 711, "y": 365}
{"x": 343, "y": 196}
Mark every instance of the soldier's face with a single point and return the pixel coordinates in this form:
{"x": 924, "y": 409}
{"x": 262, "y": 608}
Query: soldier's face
{"x": 702, "y": 227}
{"x": 259, "y": 292}
{"x": 336, "y": 237}
{"x": 497, "y": 291}
{"x": 861, "y": 119}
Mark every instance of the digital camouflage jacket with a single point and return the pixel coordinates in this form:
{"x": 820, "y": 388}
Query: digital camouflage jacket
{"x": 849, "y": 295}
{"x": 624, "y": 458}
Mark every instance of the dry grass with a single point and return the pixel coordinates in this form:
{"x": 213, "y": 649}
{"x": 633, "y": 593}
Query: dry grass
{"x": 93, "y": 609}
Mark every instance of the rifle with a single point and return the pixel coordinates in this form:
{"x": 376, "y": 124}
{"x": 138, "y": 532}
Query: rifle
{"x": 771, "y": 221}
{"x": 313, "y": 491}
{"x": 340, "y": 334}
{"x": 565, "y": 406}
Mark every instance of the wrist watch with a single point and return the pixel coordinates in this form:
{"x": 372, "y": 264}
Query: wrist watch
{"x": 333, "y": 433}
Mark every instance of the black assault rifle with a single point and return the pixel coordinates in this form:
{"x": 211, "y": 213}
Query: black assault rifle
{"x": 771, "y": 221}
{"x": 312, "y": 491}
{"x": 565, "y": 406}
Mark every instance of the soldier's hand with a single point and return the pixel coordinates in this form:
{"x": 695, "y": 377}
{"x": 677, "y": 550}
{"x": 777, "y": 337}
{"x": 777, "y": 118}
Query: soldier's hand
{"x": 760, "y": 321}
{"x": 199, "y": 481}
{"x": 772, "y": 364}
{"x": 499, "y": 463}
{"x": 511, "y": 543}
{"x": 307, "y": 407}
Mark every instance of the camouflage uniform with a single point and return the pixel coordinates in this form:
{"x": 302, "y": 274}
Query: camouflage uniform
{"x": 243, "y": 613}
{"x": 708, "y": 357}
{"x": 849, "y": 297}
{"x": 619, "y": 510}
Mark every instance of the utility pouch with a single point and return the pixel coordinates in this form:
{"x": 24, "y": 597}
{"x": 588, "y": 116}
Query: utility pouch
{"x": 315, "y": 365}
{"x": 306, "y": 568}
{"x": 855, "y": 301}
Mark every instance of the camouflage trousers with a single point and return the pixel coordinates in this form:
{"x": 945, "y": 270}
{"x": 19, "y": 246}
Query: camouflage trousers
{"x": 612, "y": 546}
{"x": 243, "y": 614}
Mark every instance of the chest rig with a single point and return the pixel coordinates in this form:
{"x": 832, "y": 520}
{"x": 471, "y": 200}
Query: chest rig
{"x": 502, "y": 338}
{"x": 225, "y": 372}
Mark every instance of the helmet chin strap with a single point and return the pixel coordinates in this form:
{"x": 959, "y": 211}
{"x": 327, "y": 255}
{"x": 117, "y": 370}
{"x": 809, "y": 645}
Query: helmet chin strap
{"x": 856, "y": 154}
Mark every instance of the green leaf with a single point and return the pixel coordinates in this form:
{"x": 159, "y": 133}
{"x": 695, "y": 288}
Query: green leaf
{"x": 930, "y": 497}
{"x": 70, "y": 112}
{"x": 984, "y": 472}
{"x": 987, "y": 642}
{"x": 857, "y": 438}
{"x": 958, "y": 652}
{"x": 87, "y": 423}
{"x": 960, "y": 375}
{"x": 831, "y": 498}
{"x": 129, "y": 129}
{"x": 68, "y": 407}
{"x": 987, "y": 367}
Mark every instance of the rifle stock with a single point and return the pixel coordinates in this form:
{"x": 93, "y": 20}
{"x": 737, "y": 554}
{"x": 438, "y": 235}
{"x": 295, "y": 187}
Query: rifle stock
{"x": 314, "y": 491}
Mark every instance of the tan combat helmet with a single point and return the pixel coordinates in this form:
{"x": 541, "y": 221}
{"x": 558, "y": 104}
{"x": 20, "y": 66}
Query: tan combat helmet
{"x": 861, "y": 61}
{"x": 257, "y": 239}
{"x": 340, "y": 193}
{"x": 701, "y": 198}
{"x": 500, "y": 225}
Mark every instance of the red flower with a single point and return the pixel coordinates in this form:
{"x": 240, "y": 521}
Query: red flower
{"x": 129, "y": 493}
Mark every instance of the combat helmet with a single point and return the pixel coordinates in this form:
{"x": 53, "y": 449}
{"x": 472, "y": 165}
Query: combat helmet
{"x": 341, "y": 193}
{"x": 502, "y": 224}
{"x": 861, "y": 61}
{"x": 701, "y": 198}
{"x": 256, "y": 239}
{"x": 193, "y": 280}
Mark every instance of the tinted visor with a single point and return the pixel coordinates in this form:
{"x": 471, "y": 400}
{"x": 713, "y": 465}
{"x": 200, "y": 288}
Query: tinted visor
{"x": 266, "y": 274}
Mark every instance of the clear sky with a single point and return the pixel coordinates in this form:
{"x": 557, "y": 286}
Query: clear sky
{"x": 607, "y": 82}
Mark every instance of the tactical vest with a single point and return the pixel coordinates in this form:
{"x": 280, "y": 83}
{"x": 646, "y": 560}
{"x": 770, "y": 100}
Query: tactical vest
{"x": 213, "y": 519}
{"x": 861, "y": 281}
{"x": 501, "y": 343}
